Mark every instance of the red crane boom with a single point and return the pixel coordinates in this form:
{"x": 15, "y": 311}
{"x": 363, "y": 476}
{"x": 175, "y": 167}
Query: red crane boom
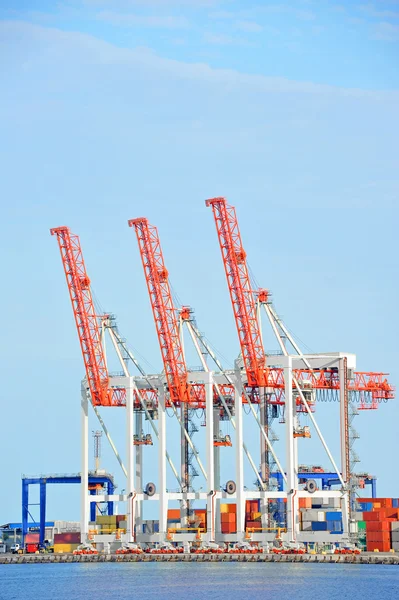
{"x": 165, "y": 314}
{"x": 241, "y": 294}
{"x": 87, "y": 322}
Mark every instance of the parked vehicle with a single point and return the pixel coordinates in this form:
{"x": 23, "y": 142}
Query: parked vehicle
{"x": 85, "y": 549}
{"x": 129, "y": 549}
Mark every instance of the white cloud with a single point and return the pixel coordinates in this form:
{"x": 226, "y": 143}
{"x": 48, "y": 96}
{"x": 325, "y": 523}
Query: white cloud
{"x": 386, "y": 32}
{"x": 156, "y": 3}
{"x": 57, "y": 45}
{"x": 249, "y": 26}
{"x": 380, "y": 13}
{"x": 133, "y": 20}
{"x": 222, "y": 39}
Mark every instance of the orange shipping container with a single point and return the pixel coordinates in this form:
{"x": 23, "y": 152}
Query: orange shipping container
{"x": 305, "y": 502}
{"x": 384, "y": 502}
{"x": 232, "y": 508}
{"x": 173, "y": 514}
{"x": 229, "y": 528}
{"x": 228, "y": 518}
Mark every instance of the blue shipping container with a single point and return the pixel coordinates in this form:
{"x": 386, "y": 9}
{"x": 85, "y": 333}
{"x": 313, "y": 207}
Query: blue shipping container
{"x": 395, "y": 503}
{"x": 319, "y": 525}
{"x": 366, "y": 506}
{"x": 334, "y": 516}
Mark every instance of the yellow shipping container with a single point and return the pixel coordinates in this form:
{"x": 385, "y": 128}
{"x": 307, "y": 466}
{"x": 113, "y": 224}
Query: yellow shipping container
{"x": 228, "y": 508}
{"x": 61, "y": 548}
{"x": 255, "y": 516}
{"x": 103, "y": 519}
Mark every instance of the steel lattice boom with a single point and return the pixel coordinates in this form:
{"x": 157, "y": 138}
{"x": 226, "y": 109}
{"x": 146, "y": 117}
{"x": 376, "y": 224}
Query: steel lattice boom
{"x": 165, "y": 314}
{"x": 242, "y": 296}
{"x": 87, "y": 322}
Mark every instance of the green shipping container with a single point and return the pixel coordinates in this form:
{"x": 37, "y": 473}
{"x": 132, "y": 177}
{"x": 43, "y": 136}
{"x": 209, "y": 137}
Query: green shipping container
{"x": 361, "y": 525}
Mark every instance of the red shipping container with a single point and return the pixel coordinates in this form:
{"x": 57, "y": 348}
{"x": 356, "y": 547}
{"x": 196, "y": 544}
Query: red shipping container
{"x": 229, "y": 528}
{"x": 255, "y": 524}
{"x": 378, "y": 536}
{"x": 371, "y": 516}
{"x": 378, "y": 526}
{"x": 71, "y": 537}
{"x": 380, "y": 546}
{"x": 32, "y": 538}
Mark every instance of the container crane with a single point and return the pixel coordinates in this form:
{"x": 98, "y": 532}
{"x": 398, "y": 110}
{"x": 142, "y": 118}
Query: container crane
{"x": 245, "y": 312}
{"x": 244, "y": 302}
{"x": 166, "y": 319}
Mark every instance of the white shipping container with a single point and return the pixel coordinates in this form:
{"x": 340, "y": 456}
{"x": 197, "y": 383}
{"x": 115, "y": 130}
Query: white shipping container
{"x": 395, "y": 535}
{"x": 321, "y": 515}
{"x": 311, "y": 514}
{"x": 316, "y": 501}
{"x": 352, "y": 527}
{"x": 306, "y": 526}
{"x": 394, "y": 525}
{"x": 395, "y": 546}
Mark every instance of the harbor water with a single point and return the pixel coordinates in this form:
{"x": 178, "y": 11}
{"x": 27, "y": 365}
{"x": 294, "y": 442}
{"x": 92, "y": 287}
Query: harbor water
{"x": 194, "y": 581}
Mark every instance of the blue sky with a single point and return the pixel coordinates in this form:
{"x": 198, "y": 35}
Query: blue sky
{"x": 113, "y": 110}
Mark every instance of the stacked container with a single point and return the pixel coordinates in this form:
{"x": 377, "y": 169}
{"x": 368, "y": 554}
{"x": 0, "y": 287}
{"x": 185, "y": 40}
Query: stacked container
{"x": 252, "y": 514}
{"x": 321, "y": 514}
{"x": 173, "y": 518}
{"x": 380, "y": 521}
{"x": 395, "y": 535}
{"x": 66, "y": 542}
{"x": 228, "y": 518}
{"x": 106, "y": 524}
{"x": 200, "y": 517}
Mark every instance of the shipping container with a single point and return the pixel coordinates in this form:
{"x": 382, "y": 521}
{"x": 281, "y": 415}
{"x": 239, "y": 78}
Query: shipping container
{"x": 228, "y": 518}
{"x": 319, "y": 526}
{"x": 32, "y": 538}
{"x": 72, "y": 537}
{"x": 64, "y": 548}
{"x": 380, "y": 546}
{"x": 378, "y": 526}
{"x": 334, "y": 516}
